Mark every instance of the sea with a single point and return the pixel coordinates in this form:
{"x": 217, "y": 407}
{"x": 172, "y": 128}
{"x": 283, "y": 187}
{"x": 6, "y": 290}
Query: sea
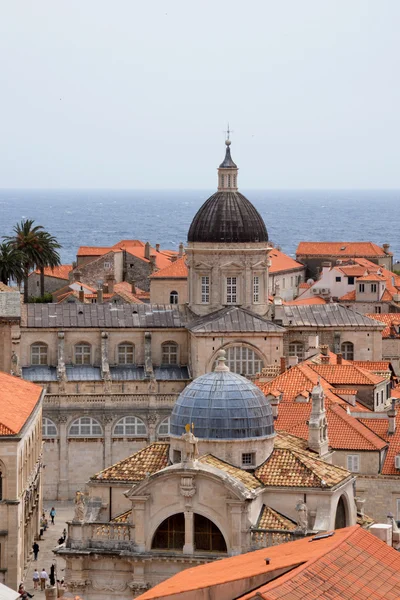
{"x": 103, "y": 217}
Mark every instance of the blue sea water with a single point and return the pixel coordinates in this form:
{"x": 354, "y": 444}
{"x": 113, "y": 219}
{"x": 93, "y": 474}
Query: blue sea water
{"x": 103, "y": 217}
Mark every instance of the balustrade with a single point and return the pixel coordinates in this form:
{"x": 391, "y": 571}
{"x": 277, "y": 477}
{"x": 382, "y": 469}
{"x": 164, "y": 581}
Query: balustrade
{"x": 109, "y": 400}
{"x": 264, "y": 539}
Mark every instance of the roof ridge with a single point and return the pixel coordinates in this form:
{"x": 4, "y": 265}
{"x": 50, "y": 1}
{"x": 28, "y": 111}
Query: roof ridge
{"x": 353, "y": 422}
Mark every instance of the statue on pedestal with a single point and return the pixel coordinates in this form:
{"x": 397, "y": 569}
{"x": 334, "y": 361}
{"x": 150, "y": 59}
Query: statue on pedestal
{"x": 302, "y": 517}
{"x": 79, "y": 507}
{"x": 191, "y": 443}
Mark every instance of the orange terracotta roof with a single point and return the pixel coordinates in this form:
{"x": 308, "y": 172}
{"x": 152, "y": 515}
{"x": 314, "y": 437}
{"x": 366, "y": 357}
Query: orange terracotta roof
{"x": 304, "y": 285}
{"x": 361, "y": 567}
{"x": 373, "y": 365}
{"x": 246, "y": 478}
{"x": 175, "y": 270}
{"x": 341, "y": 249}
{"x": 345, "y": 392}
{"x": 60, "y": 272}
{"x": 372, "y": 277}
{"x": 345, "y": 432}
{"x": 389, "y": 319}
{"x": 380, "y": 427}
{"x": 282, "y": 262}
{"x": 351, "y": 270}
{"x": 284, "y": 557}
{"x": 93, "y": 250}
{"x": 272, "y": 519}
{"x": 18, "y": 399}
{"x": 347, "y": 375}
{"x": 295, "y": 467}
{"x": 349, "y": 297}
{"x": 312, "y": 300}
{"x": 150, "y": 459}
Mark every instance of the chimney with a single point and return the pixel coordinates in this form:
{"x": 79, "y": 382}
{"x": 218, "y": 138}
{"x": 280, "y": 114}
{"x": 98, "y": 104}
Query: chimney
{"x": 133, "y": 286}
{"x": 152, "y": 262}
{"x": 339, "y": 358}
{"x": 392, "y": 418}
{"x": 110, "y": 284}
{"x": 326, "y": 265}
{"x": 274, "y": 402}
{"x": 324, "y": 349}
{"x": 325, "y": 360}
{"x": 100, "y": 296}
{"x": 147, "y": 250}
{"x": 283, "y": 364}
{"x": 77, "y": 275}
{"x": 157, "y": 247}
{"x": 81, "y": 295}
{"x": 386, "y": 248}
{"x": 180, "y": 250}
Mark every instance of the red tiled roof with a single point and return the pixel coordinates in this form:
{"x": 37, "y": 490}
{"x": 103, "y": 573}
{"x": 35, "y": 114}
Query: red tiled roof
{"x": 372, "y": 277}
{"x": 175, "y": 270}
{"x": 312, "y": 300}
{"x": 93, "y": 250}
{"x": 387, "y": 319}
{"x": 18, "y": 399}
{"x": 282, "y": 262}
{"x": 373, "y": 365}
{"x": 380, "y": 427}
{"x": 351, "y": 270}
{"x": 304, "y": 285}
{"x": 349, "y": 249}
{"x": 60, "y": 272}
{"x": 347, "y": 375}
{"x": 352, "y": 564}
{"x": 349, "y": 297}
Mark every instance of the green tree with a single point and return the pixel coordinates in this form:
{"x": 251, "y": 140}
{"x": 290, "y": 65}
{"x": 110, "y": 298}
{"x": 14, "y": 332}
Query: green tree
{"x": 38, "y": 249}
{"x": 10, "y": 264}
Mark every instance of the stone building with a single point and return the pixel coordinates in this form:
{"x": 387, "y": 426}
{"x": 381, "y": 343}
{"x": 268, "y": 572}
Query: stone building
{"x": 53, "y": 279}
{"x": 390, "y": 338}
{"x": 21, "y": 474}
{"x": 10, "y": 318}
{"x": 222, "y": 485}
{"x": 313, "y": 254}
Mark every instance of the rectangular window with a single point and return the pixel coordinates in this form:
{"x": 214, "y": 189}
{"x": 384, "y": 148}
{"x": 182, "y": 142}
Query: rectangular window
{"x": 107, "y": 265}
{"x": 291, "y": 282}
{"x": 283, "y": 283}
{"x": 381, "y": 396}
{"x": 353, "y": 463}
{"x": 256, "y": 289}
{"x": 373, "y": 287}
{"x": 248, "y": 459}
{"x": 231, "y": 290}
{"x": 378, "y": 309}
{"x": 361, "y": 287}
{"x": 177, "y": 456}
{"x": 350, "y": 280}
{"x": 205, "y": 289}
{"x": 338, "y": 279}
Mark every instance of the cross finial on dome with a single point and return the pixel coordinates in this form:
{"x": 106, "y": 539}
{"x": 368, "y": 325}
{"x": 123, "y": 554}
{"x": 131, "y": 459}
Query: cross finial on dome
{"x": 221, "y": 360}
{"x": 228, "y": 135}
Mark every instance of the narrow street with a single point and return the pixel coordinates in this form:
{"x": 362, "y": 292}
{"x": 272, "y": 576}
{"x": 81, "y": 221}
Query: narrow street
{"x": 65, "y": 511}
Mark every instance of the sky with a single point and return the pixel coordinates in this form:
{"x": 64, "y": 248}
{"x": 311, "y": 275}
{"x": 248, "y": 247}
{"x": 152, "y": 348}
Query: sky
{"x": 136, "y": 95}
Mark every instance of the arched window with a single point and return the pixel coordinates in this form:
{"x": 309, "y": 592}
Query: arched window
{"x": 169, "y": 353}
{"x": 126, "y": 354}
{"x": 221, "y": 183}
{"x": 164, "y": 428}
{"x": 39, "y": 354}
{"x": 130, "y": 426}
{"x": 173, "y": 297}
{"x": 243, "y": 360}
{"x": 49, "y": 429}
{"x": 170, "y": 535}
{"x": 296, "y": 349}
{"x": 82, "y": 354}
{"x": 207, "y": 536}
{"x": 340, "y": 519}
{"x": 85, "y": 427}
{"x": 348, "y": 350}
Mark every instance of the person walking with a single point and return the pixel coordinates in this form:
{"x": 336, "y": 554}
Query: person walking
{"x": 43, "y": 578}
{"x": 36, "y": 578}
{"x": 52, "y": 514}
{"x": 35, "y": 549}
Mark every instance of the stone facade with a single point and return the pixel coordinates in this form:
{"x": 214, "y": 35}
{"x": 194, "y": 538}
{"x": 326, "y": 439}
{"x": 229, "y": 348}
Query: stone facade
{"x": 51, "y": 284}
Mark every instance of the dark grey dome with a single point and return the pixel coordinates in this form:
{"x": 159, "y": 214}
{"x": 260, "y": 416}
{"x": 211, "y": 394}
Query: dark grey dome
{"x": 227, "y": 217}
{"x": 223, "y": 405}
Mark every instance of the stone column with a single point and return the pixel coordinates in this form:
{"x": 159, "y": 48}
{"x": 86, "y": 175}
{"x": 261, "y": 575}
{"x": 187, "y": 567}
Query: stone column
{"x": 61, "y": 370}
{"x": 139, "y": 507}
{"x": 108, "y": 423}
{"x": 105, "y": 366}
{"x": 188, "y": 548}
{"x": 236, "y": 526}
{"x": 63, "y": 485}
{"x": 15, "y": 354}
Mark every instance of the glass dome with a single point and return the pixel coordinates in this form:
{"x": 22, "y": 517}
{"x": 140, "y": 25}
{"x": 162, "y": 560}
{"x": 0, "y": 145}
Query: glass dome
{"x": 223, "y": 406}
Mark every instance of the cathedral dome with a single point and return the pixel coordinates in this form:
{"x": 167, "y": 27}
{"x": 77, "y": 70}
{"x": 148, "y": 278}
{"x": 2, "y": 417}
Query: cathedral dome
{"x": 227, "y": 216}
{"x": 223, "y": 406}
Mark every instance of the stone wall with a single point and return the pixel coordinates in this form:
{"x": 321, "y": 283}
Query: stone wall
{"x": 382, "y": 495}
{"x": 51, "y": 284}
{"x": 137, "y": 270}
{"x": 367, "y": 344}
{"x": 160, "y": 290}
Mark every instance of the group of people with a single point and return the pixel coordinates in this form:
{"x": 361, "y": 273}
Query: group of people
{"x": 41, "y": 578}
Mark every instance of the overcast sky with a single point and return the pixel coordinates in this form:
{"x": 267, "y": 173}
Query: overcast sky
{"x": 136, "y": 94}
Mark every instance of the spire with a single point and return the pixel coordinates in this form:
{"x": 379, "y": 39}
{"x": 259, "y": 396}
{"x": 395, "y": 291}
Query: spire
{"x": 227, "y": 171}
{"x": 317, "y": 424}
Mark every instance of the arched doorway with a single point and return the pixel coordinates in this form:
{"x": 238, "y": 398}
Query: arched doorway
{"x": 207, "y": 536}
{"x": 340, "y": 519}
{"x": 170, "y": 535}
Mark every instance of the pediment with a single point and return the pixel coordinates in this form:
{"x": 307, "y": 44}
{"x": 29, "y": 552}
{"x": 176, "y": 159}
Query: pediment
{"x": 202, "y": 265}
{"x": 261, "y": 264}
{"x": 231, "y": 265}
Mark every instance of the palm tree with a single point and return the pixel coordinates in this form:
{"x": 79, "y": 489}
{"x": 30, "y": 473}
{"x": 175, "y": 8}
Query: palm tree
{"x": 37, "y": 247}
{"x": 10, "y": 264}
